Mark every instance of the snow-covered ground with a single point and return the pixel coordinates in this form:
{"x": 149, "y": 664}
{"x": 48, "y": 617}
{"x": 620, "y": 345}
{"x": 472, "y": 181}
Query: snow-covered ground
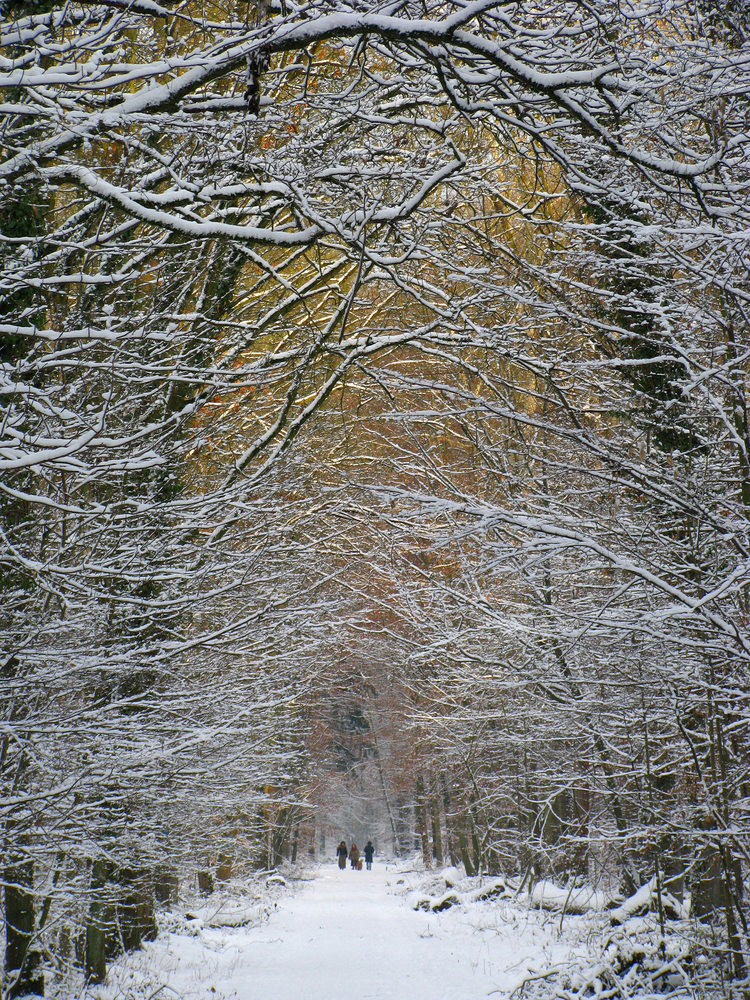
{"x": 346, "y": 935}
{"x": 397, "y": 933}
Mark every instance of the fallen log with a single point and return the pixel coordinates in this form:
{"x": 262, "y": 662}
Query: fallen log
{"x": 645, "y": 899}
{"x": 577, "y": 900}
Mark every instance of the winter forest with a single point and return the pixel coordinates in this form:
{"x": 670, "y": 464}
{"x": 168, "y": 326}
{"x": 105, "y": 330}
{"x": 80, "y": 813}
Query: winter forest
{"x": 375, "y": 455}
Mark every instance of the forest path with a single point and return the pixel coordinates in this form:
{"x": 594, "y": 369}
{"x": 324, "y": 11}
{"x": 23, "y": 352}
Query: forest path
{"x": 348, "y": 935}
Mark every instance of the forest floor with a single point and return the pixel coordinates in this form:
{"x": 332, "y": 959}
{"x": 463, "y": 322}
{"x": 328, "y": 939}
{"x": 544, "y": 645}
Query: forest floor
{"x": 344, "y": 935}
{"x": 396, "y": 933}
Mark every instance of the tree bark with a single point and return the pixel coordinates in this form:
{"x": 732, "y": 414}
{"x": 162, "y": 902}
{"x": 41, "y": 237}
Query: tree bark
{"x": 437, "y": 837}
{"x": 421, "y": 808}
{"x": 99, "y": 920}
{"x": 135, "y": 907}
{"x": 448, "y": 821}
{"x": 22, "y": 959}
{"x": 463, "y": 846}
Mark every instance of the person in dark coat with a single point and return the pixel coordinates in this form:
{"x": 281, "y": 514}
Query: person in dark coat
{"x": 354, "y": 854}
{"x": 369, "y": 851}
{"x": 342, "y": 854}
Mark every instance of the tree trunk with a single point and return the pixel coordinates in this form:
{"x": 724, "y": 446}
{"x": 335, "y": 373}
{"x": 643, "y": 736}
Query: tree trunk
{"x": 463, "y": 846}
{"x": 97, "y": 926}
{"x": 295, "y": 844}
{"x": 22, "y": 958}
{"x": 224, "y": 867}
{"x": 405, "y": 826}
{"x": 476, "y": 843}
{"x": 386, "y": 797}
{"x": 166, "y": 886}
{"x": 452, "y": 854}
{"x": 437, "y": 838}
{"x": 581, "y": 815}
{"x": 631, "y": 877}
{"x": 135, "y": 908}
{"x": 421, "y": 808}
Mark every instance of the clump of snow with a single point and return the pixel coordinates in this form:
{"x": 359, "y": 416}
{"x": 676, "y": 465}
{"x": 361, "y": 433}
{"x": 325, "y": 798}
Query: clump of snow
{"x": 473, "y": 890}
{"x": 491, "y": 889}
{"x": 237, "y": 903}
{"x": 231, "y": 913}
{"x": 170, "y": 922}
{"x": 452, "y": 876}
{"x": 437, "y": 905}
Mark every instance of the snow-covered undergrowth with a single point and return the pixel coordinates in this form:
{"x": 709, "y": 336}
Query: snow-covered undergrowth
{"x": 195, "y": 943}
{"x": 544, "y": 894}
{"x": 400, "y": 932}
{"x": 616, "y": 952}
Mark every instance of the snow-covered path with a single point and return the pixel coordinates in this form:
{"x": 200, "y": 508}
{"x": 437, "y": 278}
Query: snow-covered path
{"x": 347, "y": 935}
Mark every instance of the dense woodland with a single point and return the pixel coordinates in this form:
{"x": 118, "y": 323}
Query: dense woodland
{"x": 375, "y": 451}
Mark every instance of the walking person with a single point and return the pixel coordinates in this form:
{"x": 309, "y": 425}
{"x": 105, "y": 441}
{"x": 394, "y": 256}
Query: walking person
{"x": 369, "y": 851}
{"x": 342, "y": 854}
{"x": 354, "y": 854}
